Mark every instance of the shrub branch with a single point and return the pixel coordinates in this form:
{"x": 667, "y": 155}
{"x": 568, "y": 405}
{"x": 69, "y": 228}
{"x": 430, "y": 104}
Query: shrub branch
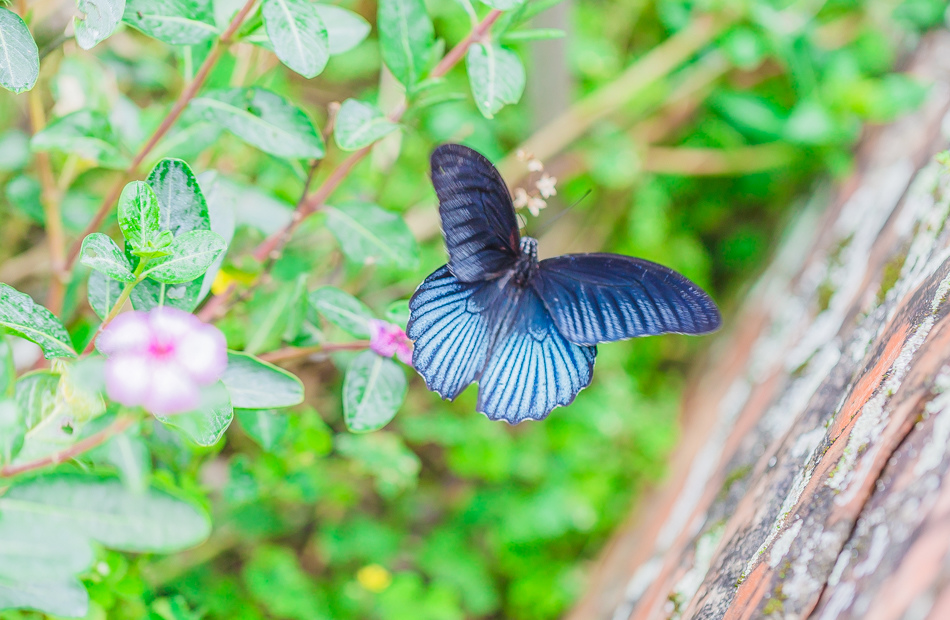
{"x": 186, "y": 96}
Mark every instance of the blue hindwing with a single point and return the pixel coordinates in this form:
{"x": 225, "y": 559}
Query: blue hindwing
{"x": 501, "y": 335}
{"x": 450, "y": 333}
{"x": 532, "y": 369}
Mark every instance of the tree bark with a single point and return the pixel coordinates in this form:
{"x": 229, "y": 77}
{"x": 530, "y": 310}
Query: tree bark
{"x": 813, "y": 475}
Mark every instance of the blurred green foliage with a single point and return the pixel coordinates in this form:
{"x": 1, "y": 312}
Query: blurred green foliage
{"x": 445, "y": 514}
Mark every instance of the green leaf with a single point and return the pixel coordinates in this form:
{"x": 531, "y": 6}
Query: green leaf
{"x": 255, "y": 384}
{"x": 750, "y": 113}
{"x": 496, "y": 75}
{"x": 21, "y": 316}
{"x": 297, "y": 34}
{"x": 181, "y": 204}
{"x": 297, "y": 309}
{"x": 24, "y": 193}
{"x": 535, "y": 34}
{"x": 103, "y": 510}
{"x": 398, "y": 312}
{"x": 263, "y": 119}
{"x": 373, "y": 390}
{"x": 101, "y": 253}
{"x": 12, "y": 429}
{"x": 138, "y": 216}
{"x": 360, "y": 124}
{"x": 49, "y": 522}
{"x": 149, "y": 294}
{"x": 14, "y": 150}
{"x": 384, "y": 455}
{"x": 269, "y": 315}
{"x": 102, "y": 293}
{"x": 176, "y": 22}
{"x": 182, "y": 207}
{"x": 275, "y": 580}
{"x": 370, "y": 234}
{"x": 406, "y": 37}
{"x": 343, "y": 310}
{"x": 345, "y": 29}
{"x": 7, "y": 368}
{"x": 190, "y": 255}
{"x": 221, "y": 212}
{"x": 19, "y": 56}
{"x": 265, "y": 426}
{"x": 205, "y": 425}
{"x": 504, "y": 5}
{"x": 86, "y": 133}
{"x": 36, "y": 395}
{"x": 100, "y": 21}
{"x": 130, "y": 456}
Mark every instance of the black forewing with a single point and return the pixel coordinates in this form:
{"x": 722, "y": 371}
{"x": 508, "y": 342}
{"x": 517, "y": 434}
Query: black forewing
{"x": 478, "y": 219}
{"x": 605, "y": 297}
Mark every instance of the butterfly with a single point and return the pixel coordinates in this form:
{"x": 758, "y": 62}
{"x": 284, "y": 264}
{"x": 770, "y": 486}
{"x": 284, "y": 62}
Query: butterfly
{"x": 527, "y": 330}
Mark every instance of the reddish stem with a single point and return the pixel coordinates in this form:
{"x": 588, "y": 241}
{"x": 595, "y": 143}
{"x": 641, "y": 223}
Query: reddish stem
{"x": 271, "y": 247}
{"x": 116, "y": 428}
{"x": 292, "y": 353}
{"x": 183, "y": 100}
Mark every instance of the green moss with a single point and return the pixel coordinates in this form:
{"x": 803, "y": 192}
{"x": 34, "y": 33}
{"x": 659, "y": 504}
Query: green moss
{"x": 734, "y": 476}
{"x": 825, "y": 291}
{"x": 776, "y": 604}
{"x": 890, "y": 274}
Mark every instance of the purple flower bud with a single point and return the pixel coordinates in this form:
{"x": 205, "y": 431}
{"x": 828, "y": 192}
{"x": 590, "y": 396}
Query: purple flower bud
{"x": 160, "y": 359}
{"x": 387, "y": 340}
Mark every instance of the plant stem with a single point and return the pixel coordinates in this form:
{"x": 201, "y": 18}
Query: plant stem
{"x": 114, "y": 311}
{"x": 272, "y": 246}
{"x": 50, "y": 199}
{"x": 116, "y": 428}
{"x": 292, "y": 353}
{"x": 578, "y": 119}
{"x": 186, "y": 96}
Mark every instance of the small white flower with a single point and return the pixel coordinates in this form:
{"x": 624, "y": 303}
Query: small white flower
{"x": 535, "y": 165}
{"x": 523, "y": 155}
{"x": 535, "y": 205}
{"x": 545, "y": 186}
{"x": 521, "y": 198}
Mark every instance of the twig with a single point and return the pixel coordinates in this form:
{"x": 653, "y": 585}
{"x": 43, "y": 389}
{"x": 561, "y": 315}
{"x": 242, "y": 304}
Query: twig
{"x": 50, "y": 199}
{"x": 272, "y": 246}
{"x": 270, "y": 249}
{"x": 577, "y": 120}
{"x": 116, "y": 428}
{"x": 218, "y": 305}
{"x": 711, "y": 162}
{"x": 186, "y": 96}
{"x": 292, "y": 353}
{"x": 117, "y": 307}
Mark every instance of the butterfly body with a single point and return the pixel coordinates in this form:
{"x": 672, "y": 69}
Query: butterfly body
{"x": 526, "y": 330}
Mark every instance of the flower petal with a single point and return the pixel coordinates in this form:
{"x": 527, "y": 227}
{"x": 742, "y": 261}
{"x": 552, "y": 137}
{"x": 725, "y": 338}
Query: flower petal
{"x": 203, "y": 354}
{"x": 172, "y": 390}
{"x": 171, "y": 324}
{"x": 128, "y": 378}
{"x": 128, "y": 332}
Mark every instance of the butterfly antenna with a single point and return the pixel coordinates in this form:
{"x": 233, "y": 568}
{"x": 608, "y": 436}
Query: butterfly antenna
{"x": 548, "y": 224}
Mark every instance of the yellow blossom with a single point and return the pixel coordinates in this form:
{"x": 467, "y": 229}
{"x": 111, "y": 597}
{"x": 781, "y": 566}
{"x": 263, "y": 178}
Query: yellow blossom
{"x": 374, "y": 577}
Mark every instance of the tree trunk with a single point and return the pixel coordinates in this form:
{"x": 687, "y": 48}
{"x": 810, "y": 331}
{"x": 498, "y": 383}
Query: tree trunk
{"x": 812, "y": 475}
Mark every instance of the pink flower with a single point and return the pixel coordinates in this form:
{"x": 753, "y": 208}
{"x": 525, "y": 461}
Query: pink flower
{"x": 160, "y": 359}
{"x": 387, "y": 340}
